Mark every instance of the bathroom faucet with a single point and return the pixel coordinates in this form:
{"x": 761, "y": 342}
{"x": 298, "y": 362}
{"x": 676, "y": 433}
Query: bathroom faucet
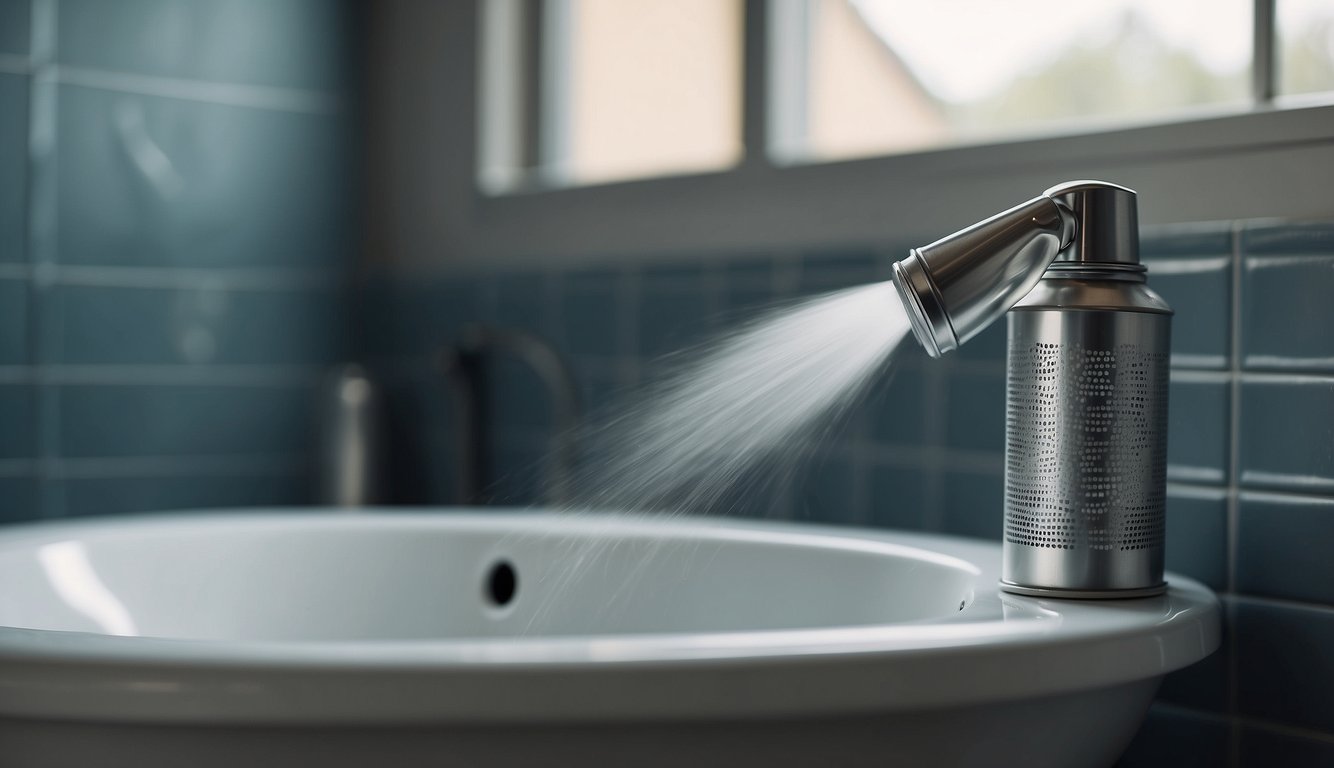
{"x": 1086, "y": 382}
{"x": 464, "y": 363}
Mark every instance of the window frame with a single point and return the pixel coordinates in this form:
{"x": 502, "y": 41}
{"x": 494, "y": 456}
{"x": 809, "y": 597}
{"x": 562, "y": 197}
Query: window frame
{"x": 1276, "y": 160}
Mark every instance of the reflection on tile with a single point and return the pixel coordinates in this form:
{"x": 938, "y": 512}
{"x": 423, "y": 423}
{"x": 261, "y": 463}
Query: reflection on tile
{"x": 13, "y": 163}
{"x": 1275, "y": 555}
{"x": 1211, "y": 238}
{"x": 201, "y": 325}
{"x": 167, "y": 182}
{"x": 185, "y": 421}
{"x": 1287, "y": 238}
{"x": 1287, "y": 433}
{"x": 1283, "y": 663}
{"x": 245, "y": 41}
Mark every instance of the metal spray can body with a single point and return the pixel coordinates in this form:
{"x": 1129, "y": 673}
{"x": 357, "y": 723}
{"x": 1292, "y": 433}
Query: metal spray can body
{"x": 1086, "y": 435}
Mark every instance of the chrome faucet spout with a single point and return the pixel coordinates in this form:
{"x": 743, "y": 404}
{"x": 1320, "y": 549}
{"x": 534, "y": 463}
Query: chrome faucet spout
{"x": 958, "y": 285}
{"x": 463, "y": 362}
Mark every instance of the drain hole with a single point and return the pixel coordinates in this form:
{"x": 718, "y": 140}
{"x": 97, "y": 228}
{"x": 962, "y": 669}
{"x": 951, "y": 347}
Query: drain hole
{"x": 501, "y": 584}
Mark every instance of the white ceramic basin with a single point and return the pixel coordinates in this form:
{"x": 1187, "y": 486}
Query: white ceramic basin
{"x": 314, "y": 638}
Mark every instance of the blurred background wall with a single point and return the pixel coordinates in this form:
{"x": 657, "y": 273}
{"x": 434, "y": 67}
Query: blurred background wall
{"x": 175, "y": 235}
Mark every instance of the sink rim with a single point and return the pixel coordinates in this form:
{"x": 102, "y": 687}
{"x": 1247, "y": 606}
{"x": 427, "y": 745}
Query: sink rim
{"x": 1000, "y": 646}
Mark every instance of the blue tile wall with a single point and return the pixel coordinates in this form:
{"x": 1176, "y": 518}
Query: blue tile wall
{"x": 13, "y": 164}
{"x": 251, "y": 42}
{"x": 174, "y": 247}
{"x": 15, "y": 21}
{"x": 1251, "y": 437}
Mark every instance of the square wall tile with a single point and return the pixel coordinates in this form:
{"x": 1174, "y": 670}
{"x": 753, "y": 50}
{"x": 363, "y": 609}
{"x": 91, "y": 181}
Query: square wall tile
{"x": 13, "y": 163}
{"x": 975, "y": 411}
{"x": 594, "y": 313}
{"x": 824, "y": 491}
{"x": 1171, "y": 241}
{"x": 295, "y": 43}
{"x": 1259, "y": 746}
{"x": 1285, "y": 671}
{"x": 897, "y": 497}
{"x": 1276, "y": 554}
{"x": 525, "y": 301}
{"x": 92, "y": 496}
{"x": 749, "y": 286}
{"x": 896, "y": 405}
{"x": 1286, "y": 312}
{"x": 679, "y": 309}
{"x": 240, "y": 187}
{"x": 1200, "y": 291}
{"x": 832, "y": 269}
{"x": 173, "y": 421}
{"x": 1285, "y": 238}
{"x": 1287, "y": 433}
{"x": 14, "y": 322}
{"x": 415, "y": 316}
{"x": 1198, "y": 413}
{"x": 15, "y": 26}
{"x": 18, "y": 423}
{"x": 1172, "y": 738}
{"x": 987, "y": 347}
{"x": 207, "y": 324}
{"x": 19, "y": 500}
{"x": 974, "y": 503}
{"x": 1196, "y": 538}
{"x": 1191, "y": 267}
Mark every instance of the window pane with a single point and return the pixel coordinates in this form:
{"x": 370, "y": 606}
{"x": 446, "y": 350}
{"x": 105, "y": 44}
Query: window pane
{"x": 886, "y": 76}
{"x": 587, "y": 91}
{"x": 654, "y": 88}
{"x": 1305, "y": 46}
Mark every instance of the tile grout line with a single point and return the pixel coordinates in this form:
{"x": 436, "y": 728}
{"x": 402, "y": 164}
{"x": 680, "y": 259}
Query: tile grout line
{"x": 243, "y": 95}
{"x": 1233, "y": 489}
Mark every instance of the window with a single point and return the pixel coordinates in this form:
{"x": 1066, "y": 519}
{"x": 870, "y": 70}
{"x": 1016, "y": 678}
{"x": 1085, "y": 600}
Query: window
{"x": 1306, "y": 46}
{"x": 580, "y": 92}
{"x": 605, "y": 90}
{"x": 879, "y": 76}
{"x": 482, "y": 161}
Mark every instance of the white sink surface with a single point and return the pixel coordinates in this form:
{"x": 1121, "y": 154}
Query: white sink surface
{"x": 616, "y": 626}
